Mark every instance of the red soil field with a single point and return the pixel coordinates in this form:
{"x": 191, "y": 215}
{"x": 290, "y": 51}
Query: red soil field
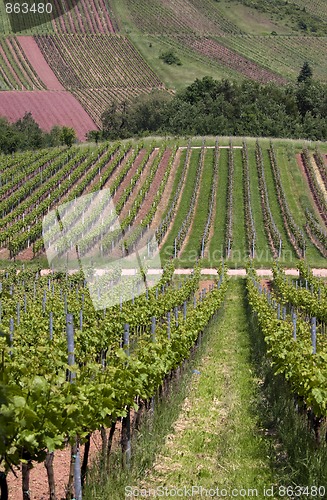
{"x": 36, "y": 59}
{"x": 48, "y": 108}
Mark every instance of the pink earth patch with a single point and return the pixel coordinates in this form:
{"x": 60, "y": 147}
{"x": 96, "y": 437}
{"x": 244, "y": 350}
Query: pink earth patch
{"x": 48, "y": 108}
{"x": 38, "y": 62}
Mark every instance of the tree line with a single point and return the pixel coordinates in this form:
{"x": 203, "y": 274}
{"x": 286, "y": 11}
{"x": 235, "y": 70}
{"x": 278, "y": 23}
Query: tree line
{"x": 212, "y": 107}
{"x": 206, "y": 107}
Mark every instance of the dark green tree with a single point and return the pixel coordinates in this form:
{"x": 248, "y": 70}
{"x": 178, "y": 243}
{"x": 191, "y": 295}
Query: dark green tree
{"x": 305, "y": 73}
{"x": 31, "y": 134}
{"x": 68, "y": 136}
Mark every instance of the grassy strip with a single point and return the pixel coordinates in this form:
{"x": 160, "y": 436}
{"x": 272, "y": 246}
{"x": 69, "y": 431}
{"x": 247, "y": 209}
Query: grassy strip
{"x": 147, "y": 443}
{"x": 193, "y": 246}
{"x": 239, "y": 251}
{"x": 176, "y": 181}
{"x": 168, "y": 247}
{"x": 216, "y": 441}
{"x": 288, "y": 254}
{"x": 216, "y": 245}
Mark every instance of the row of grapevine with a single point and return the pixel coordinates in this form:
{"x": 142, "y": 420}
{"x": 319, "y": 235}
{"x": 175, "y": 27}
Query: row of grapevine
{"x": 186, "y": 223}
{"x": 89, "y": 208}
{"x": 229, "y": 203}
{"x": 304, "y": 299}
{"x": 106, "y": 372}
{"x": 89, "y": 213}
{"x": 316, "y": 233}
{"x": 318, "y": 285}
{"x": 91, "y": 228}
{"x": 289, "y": 343}
{"x": 44, "y": 169}
{"x": 13, "y": 177}
{"x": 321, "y": 166}
{"x": 217, "y": 52}
{"x": 295, "y": 234}
{"x": 317, "y": 192}
{"x": 83, "y": 17}
{"x": 272, "y": 232}
{"x": 249, "y": 221}
{"x": 282, "y": 55}
{"x": 17, "y": 160}
{"x": 137, "y": 232}
{"x": 213, "y": 191}
{"x": 22, "y": 213}
{"x": 180, "y": 16}
{"x": 165, "y": 223}
{"x": 115, "y": 236}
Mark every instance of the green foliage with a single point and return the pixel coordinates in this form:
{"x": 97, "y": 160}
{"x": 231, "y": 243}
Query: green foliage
{"x": 68, "y": 136}
{"x": 210, "y": 106}
{"x": 305, "y": 73}
{"x": 40, "y": 407}
{"x": 292, "y": 357}
{"x": 169, "y": 57}
{"x": 26, "y": 134}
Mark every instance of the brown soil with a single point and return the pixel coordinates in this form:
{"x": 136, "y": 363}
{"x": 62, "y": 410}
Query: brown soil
{"x": 138, "y": 186}
{"x": 4, "y": 254}
{"x": 26, "y": 254}
{"x": 266, "y": 284}
{"x": 38, "y": 477}
{"x": 146, "y": 205}
{"x": 129, "y": 175}
{"x": 205, "y": 284}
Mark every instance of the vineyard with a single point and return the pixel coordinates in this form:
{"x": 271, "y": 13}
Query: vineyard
{"x": 66, "y": 16}
{"x": 97, "y": 69}
{"x": 116, "y": 258}
{"x": 248, "y": 207}
{"x": 85, "y": 354}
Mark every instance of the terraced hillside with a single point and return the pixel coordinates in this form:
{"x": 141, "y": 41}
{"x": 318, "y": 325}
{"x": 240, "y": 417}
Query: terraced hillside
{"x": 238, "y": 200}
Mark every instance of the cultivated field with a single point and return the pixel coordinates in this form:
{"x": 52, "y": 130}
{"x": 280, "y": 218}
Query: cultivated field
{"x": 260, "y": 200}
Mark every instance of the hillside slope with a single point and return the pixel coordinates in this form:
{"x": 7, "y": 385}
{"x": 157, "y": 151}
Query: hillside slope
{"x": 105, "y": 50}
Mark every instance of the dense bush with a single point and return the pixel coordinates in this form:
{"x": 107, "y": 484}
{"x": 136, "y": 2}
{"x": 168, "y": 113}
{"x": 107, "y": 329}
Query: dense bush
{"x": 26, "y": 134}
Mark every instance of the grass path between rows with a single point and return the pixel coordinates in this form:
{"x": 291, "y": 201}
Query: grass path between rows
{"x": 217, "y": 442}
